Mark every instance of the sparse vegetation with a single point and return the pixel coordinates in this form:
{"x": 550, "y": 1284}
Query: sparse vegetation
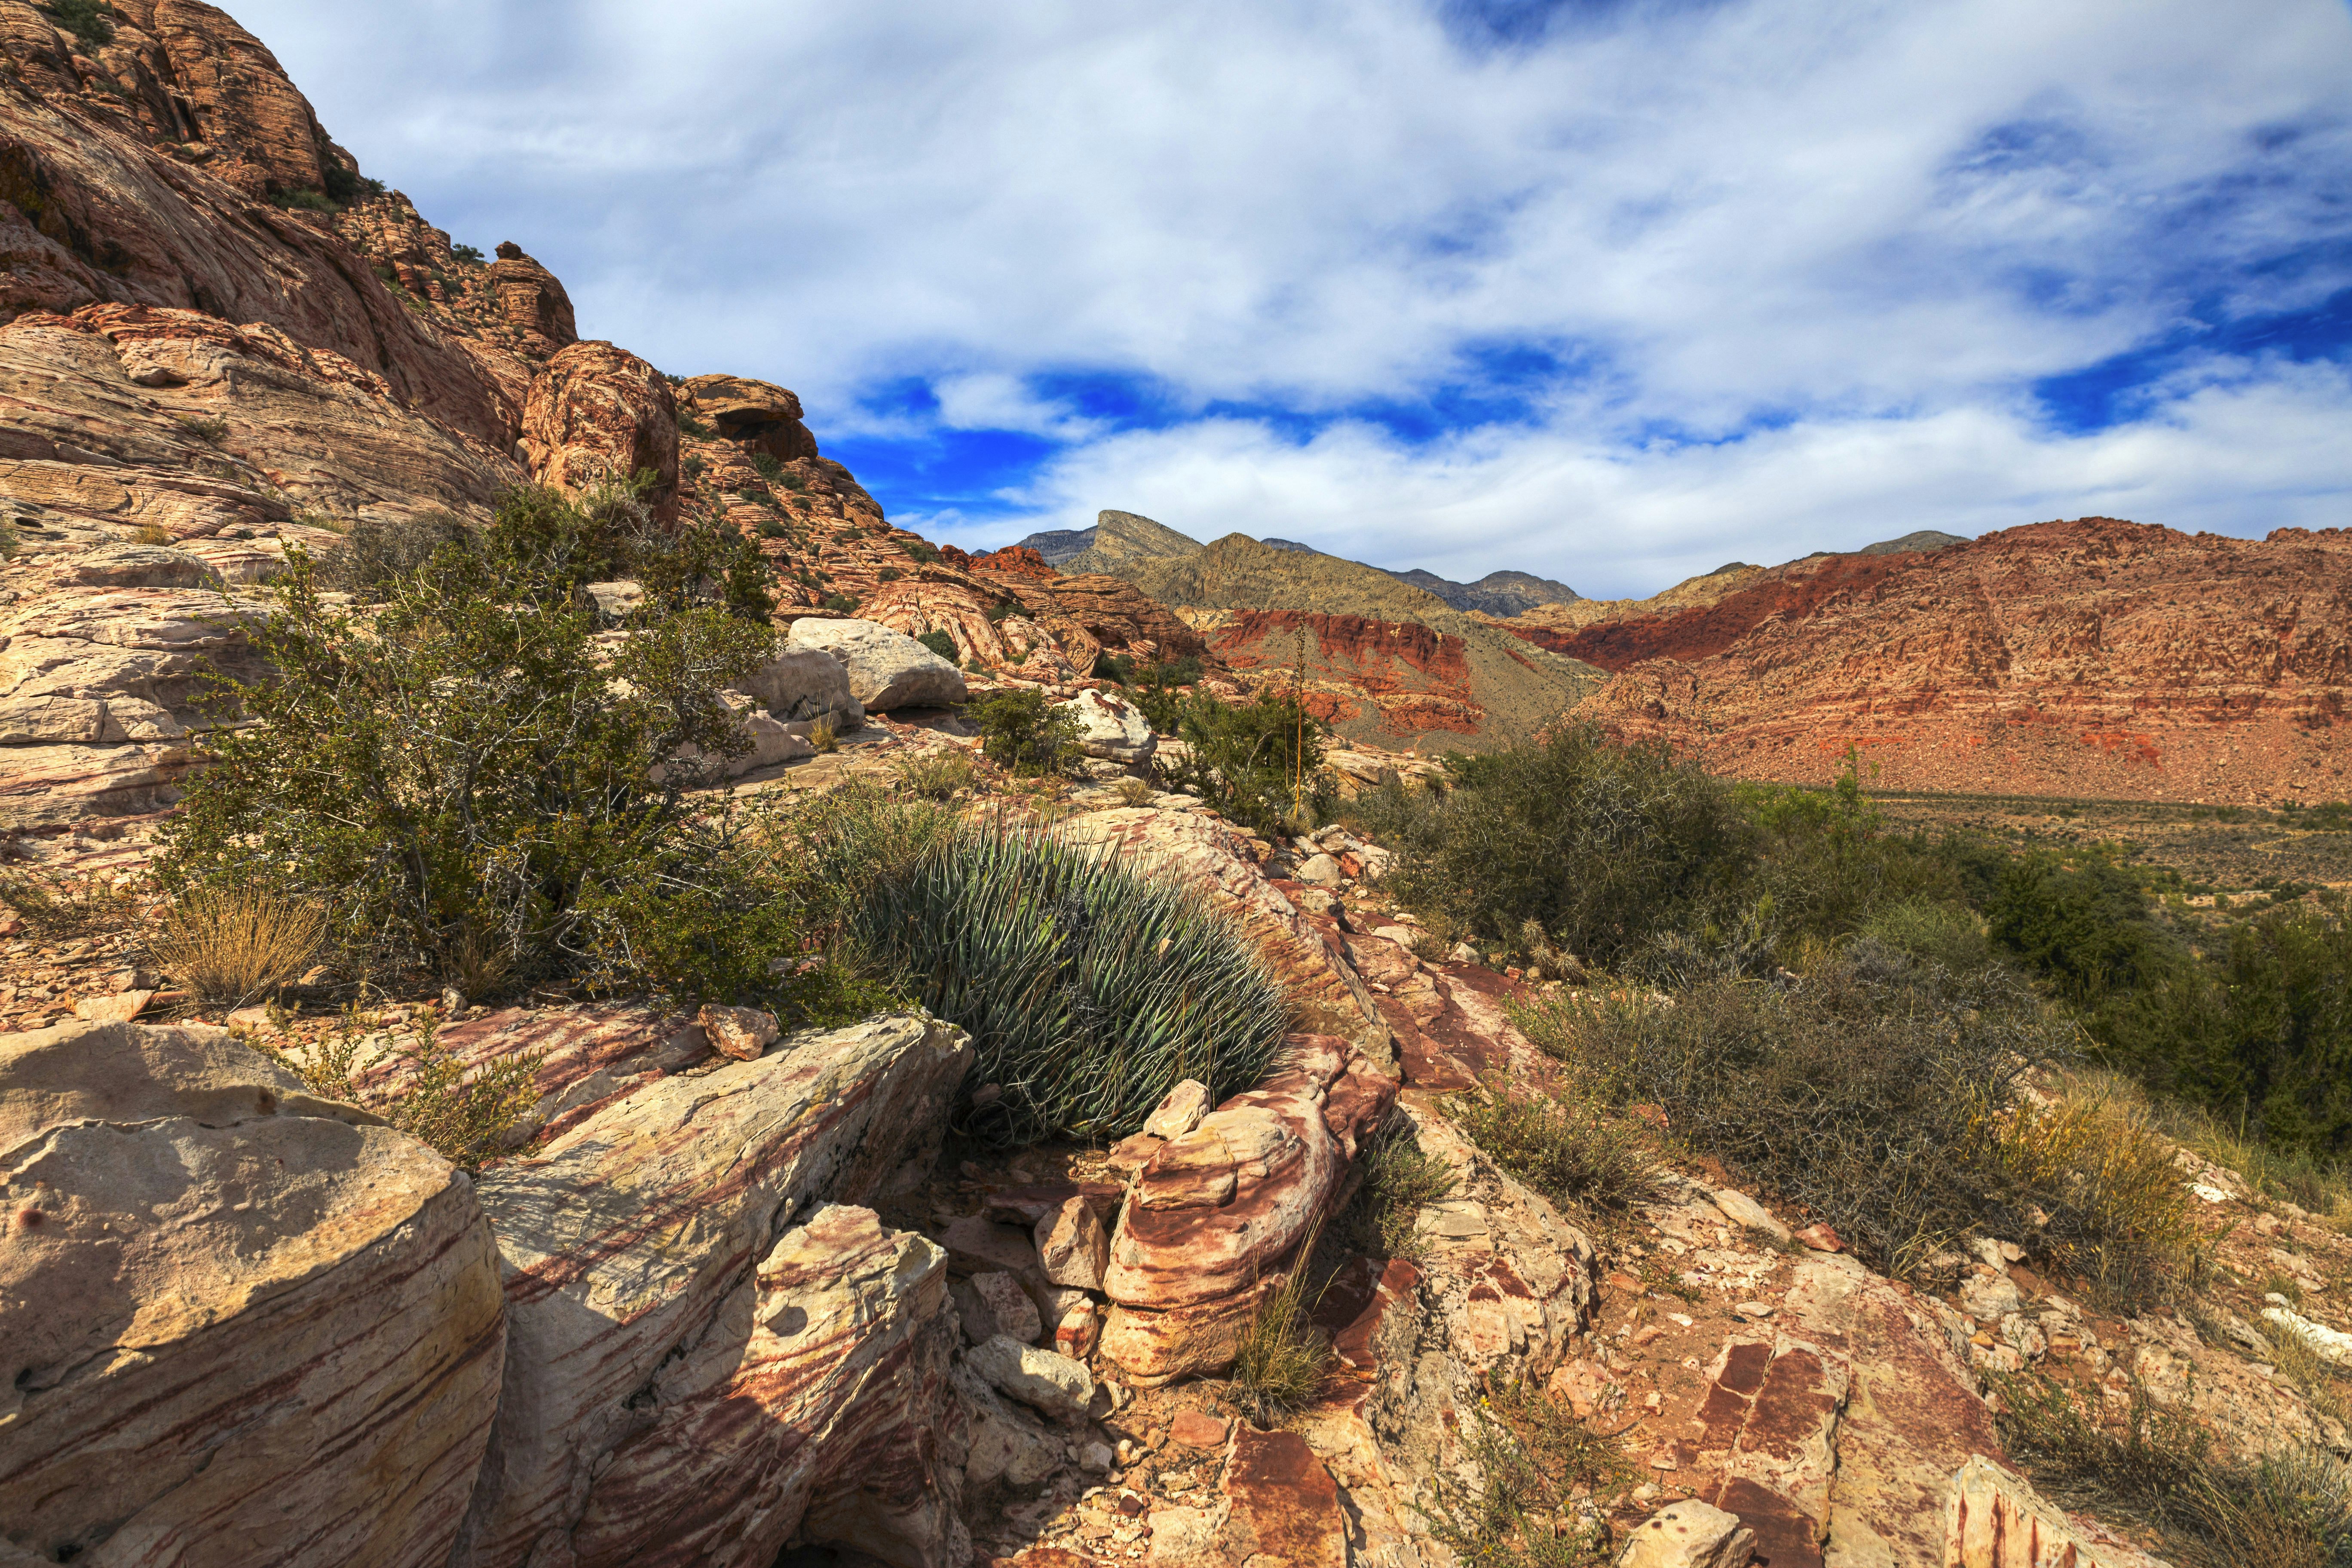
{"x": 58, "y": 906}
{"x": 377, "y": 552}
{"x": 1399, "y": 1180}
{"x": 2286, "y": 1510}
{"x": 212, "y": 432}
{"x": 1022, "y": 731}
{"x": 937, "y": 775}
{"x": 1134, "y": 792}
{"x": 471, "y": 255}
{"x": 841, "y": 604}
{"x": 1572, "y": 1151}
{"x": 151, "y": 533}
{"x": 1283, "y": 1357}
{"x": 1532, "y": 1462}
{"x": 233, "y": 945}
{"x": 466, "y": 1115}
{"x": 943, "y": 644}
{"x": 89, "y": 21}
{"x": 305, "y": 201}
{"x": 824, "y": 737}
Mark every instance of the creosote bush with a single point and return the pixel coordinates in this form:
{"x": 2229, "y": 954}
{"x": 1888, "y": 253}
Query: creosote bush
{"x": 1089, "y": 990}
{"x": 465, "y": 768}
{"x": 1024, "y": 732}
{"x": 1260, "y": 763}
{"x": 943, "y": 644}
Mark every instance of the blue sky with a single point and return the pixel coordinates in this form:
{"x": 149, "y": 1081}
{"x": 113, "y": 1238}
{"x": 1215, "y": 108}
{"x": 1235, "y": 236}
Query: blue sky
{"x": 1611, "y": 290}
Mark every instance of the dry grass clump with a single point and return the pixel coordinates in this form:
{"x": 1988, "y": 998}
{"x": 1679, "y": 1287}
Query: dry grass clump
{"x": 1399, "y": 1180}
{"x": 150, "y": 533}
{"x": 1134, "y": 791}
{"x": 1533, "y": 1461}
{"x": 2322, "y": 1383}
{"x": 822, "y": 736}
{"x": 1573, "y": 1151}
{"x": 58, "y": 906}
{"x": 1283, "y": 1356}
{"x": 937, "y": 776}
{"x": 2125, "y": 1222}
{"x": 2290, "y": 1510}
{"x": 231, "y": 946}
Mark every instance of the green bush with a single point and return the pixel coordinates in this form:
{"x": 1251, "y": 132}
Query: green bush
{"x": 1573, "y": 1151}
{"x": 1882, "y": 1094}
{"x": 1090, "y": 990}
{"x": 771, "y": 529}
{"x": 1156, "y": 688}
{"x": 1826, "y": 859}
{"x": 472, "y": 255}
{"x": 87, "y": 20}
{"x": 377, "y": 552}
{"x": 921, "y": 550}
{"x": 1604, "y": 845}
{"x": 768, "y": 467}
{"x": 1260, "y": 763}
{"x": 305, "y": 201}
{"x": 1949, "y": 934}
{"x": 462, "y": 771}
{"x": 1022, "y": 731}
{"x": 344, "y": 186}
{"x": 841, "y": 604}
{"x": 943, "y": 645}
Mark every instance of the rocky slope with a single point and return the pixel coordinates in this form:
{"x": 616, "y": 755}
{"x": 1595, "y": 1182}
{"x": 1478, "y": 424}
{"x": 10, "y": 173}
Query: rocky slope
{"x": 2094, "y": 657}
{"x": 1384, "y": 661}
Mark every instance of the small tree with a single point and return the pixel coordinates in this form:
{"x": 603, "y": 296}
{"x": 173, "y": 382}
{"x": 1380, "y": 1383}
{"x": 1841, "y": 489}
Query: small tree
{"x": 1261, "y": 763}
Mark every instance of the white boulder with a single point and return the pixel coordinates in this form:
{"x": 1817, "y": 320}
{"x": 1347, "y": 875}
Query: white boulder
{"x": 1112, "y": 728}
{"x": 886, "y": 668}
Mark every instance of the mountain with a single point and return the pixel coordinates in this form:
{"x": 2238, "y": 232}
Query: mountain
{"x": 1495, "y": 594}
{"x": 1923, "y": 539}
{"x": 1384, "y": 661}
{"x": 1116, "y": 541}
{"x": 2094, "y": 657}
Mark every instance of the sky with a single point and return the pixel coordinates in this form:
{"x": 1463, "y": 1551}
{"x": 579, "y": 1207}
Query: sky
{"x": 1615, "y": 291}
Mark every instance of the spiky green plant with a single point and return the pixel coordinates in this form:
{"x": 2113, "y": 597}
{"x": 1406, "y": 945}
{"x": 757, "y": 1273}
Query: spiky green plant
{"x": 1089, "y": 990}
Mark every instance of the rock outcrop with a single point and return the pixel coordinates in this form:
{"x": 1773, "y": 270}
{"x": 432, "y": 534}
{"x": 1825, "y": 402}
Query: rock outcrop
{"x": 886, "y": 668}
{"x": 227, "y": 1298}
{"x": 601, "y": 414}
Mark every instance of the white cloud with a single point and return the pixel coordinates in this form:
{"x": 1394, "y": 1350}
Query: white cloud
{"x": 1870, "y": 226}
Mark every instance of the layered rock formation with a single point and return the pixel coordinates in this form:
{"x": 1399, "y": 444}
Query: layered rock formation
{"x": 2093, "y": 657}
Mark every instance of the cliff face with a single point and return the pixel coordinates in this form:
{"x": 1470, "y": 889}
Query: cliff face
{"x": 2092, "y": 657}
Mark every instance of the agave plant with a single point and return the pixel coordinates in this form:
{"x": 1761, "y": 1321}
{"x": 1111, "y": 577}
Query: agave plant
{"x": 1089, "y": 990}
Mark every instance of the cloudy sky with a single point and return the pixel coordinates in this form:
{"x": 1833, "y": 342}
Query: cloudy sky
{"x": 1610, "y": 292}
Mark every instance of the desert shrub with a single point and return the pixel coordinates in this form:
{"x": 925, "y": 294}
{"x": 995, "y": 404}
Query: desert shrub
{"x": 921, "y": 550}
{"x": 2290, "y": 1510}
{"x": 936, "y": 776}
{"x": 151, "y": 533}
{"x": 1531, "y": 1461}
{"x": 1399, "y": 1180}
{"x": 771, "y": 529}
{"x": 841, "y": 604}
{"x": 1260, "y": 763}
{"x": 1283, "y": 1356}
{"x": 472, "y": 255}
{"x": 823, "y": 736}
{"x": 465, "y": 1115}
{"x": 688, "y": 426}
{"x": 1602, "y": 845}
{"x": 943, "y": 645}
{"x": 1134, "y": 792}
{"x": 210, "y": 431}
{"x": 231, "y": 945}
{"x": 1826, "y": 859}
{"x": 87, "y": 20}
{"x": 465, "y": 765}
{"x": 10, "y": 542}
{"x": 1948, "y": 934}
{"x": 888, "y": 575}
{"x": 376, "y": 551}
{"x": 767, "y": 465}
{"x": 997, "y": 612}
{"x": 1572, "y": 1151}
{"x": 1090, "y": 990}
{"x": 306, "y": 200}
{"x": 1024, "y": 732}
{"x": 345, "y": 186}
{"x": 1884, "y": 1095}
{"x": 1156, "y": 688}
{"x": 2085, "y": 924}
{"x": 58, "y": 906}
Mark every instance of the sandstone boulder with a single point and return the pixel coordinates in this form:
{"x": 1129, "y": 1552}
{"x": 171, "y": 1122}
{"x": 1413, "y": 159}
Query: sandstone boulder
{"x": 1688, "y": 1535}
{"x": 1072, "y": 1246}
{"x": 761, "y": 416}
{"x": 637, "y": 1235}
{"x": 742, "y": 1033}
{"x": 1003, "y": 1307}
{"x": 237, "y": 1282}
{"x": 886, "y": 669}
{"x": 1111, "y": 727}
{"x": 1050, "y": 1383}
{"x": 805, "y": 683}
{"x": 597, "y": 414}
{"x": 533, "y": 302}
{"x": 1179, "y": 1112}
{"x": 1995, "y": 1520}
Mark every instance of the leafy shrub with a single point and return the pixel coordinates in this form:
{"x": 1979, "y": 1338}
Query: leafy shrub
{"x": 87, "y": 20}
{"x": 921, "y": 550}
{"x": 464, "y": 766}
{"x": 694, "y": 428}
{"x": 1260, "y": 763}
{"x": 1826, "y": 859}
{"x": 1022, "y": 731}
{"x": 841, "y": 604}
{"x": 472, "y": 255}
{"x": 771, "y": 529}
{"x": 465, "y": 1117}
{"x": 888, "y": 575}
{"x": 2290, "y": 1510}
{"x": 767, "y": 465}
{"x": 305, "y": 201}
{"x": 1155, "y": 689}
{"x": 212, "y": 432}
{"x": 344, "y": 186}
{"x": 943, "y": 644}
{"x": 1602, "y": 845}
{"x": 1884, "y": 1095}
{"x": 235, "y": 944}
{"x": 1949, "y": 935}
{"x": 997, "y": 612}
{"x": 1090, "y": 990}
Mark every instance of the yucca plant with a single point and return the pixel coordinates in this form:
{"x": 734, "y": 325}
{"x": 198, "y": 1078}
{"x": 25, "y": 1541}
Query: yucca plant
{"x": 1090, "y": 990}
